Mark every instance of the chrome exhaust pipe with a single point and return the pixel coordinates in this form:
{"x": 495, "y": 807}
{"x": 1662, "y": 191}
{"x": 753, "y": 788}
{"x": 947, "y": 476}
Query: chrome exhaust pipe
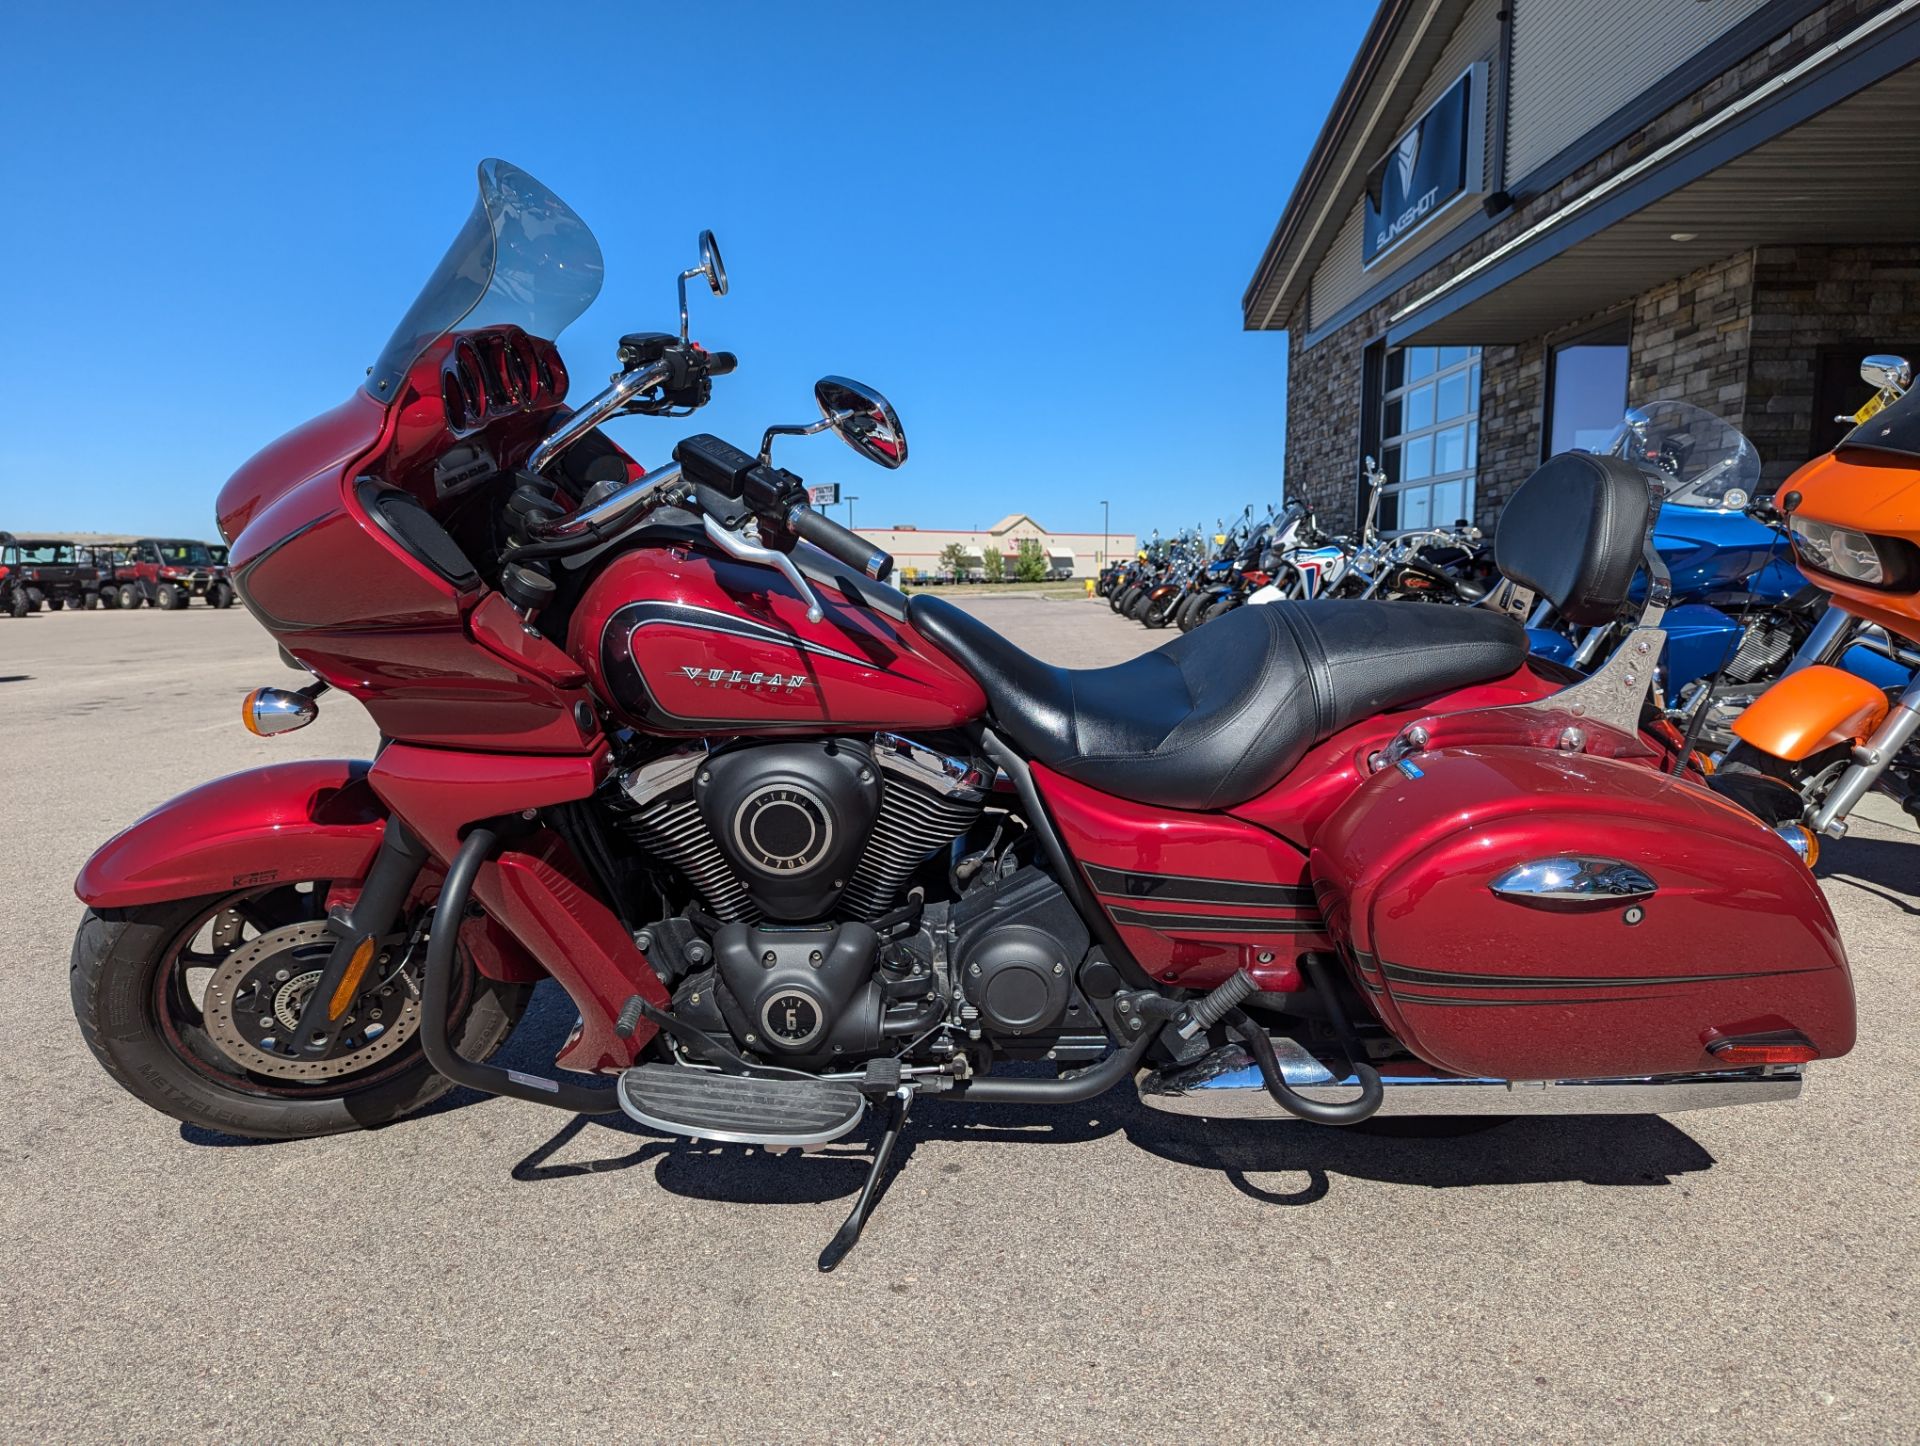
{"x": 1226, "y": 1085}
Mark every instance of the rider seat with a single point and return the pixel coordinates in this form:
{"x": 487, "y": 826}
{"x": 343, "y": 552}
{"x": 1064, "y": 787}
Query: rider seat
{"x": 1220, "y": 714}
{"x": 1223, "y": 713}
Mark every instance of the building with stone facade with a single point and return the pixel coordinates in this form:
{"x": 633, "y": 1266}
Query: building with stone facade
{"x": 1523, "y": 216}
{"x": 918, "y": 551}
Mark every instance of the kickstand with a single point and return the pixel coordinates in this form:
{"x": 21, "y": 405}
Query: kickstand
{"x": 848, "y": 1235}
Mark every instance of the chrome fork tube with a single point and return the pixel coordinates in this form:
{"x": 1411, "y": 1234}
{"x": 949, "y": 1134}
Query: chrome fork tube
{"x": 1823, "y": 644}
{"x": 1870, "y": 760}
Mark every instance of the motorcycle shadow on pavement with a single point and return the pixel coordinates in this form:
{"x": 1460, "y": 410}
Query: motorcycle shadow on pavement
{"x": 1611, "y": 1150}
{"x": 1884, "y": 868}
{"x": 1630, "y": 1150}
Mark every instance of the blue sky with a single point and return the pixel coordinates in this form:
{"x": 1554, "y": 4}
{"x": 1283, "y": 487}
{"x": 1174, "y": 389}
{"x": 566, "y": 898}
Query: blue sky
{"x": 1030, "y": 226}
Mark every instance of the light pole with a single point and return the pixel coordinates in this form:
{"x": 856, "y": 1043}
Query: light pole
{"x": 1106, "y": 532}
{"x": 849, "y": 499}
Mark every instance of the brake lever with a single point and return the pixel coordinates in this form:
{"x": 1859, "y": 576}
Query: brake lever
{"x": 736, "y": 546}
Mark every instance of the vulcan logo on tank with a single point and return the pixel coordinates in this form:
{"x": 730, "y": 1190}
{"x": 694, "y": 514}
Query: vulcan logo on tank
{"x": 735, "y": 678}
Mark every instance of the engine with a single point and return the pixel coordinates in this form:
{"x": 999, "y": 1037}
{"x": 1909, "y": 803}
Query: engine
{"x": 795, "y": 831}
{"x": 803, "y": 948}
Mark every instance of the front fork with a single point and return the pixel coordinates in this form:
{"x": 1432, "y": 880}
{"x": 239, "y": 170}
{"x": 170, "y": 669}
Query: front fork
{"x": 1870, "y": 760}
{"x": 1824, "y": 645}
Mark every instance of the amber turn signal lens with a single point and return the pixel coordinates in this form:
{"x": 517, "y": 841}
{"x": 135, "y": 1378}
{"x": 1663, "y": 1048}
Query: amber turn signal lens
{"x": 350, "y": 981}
{"x": 1802, "y": 840}
{"x": 267, "y": 711}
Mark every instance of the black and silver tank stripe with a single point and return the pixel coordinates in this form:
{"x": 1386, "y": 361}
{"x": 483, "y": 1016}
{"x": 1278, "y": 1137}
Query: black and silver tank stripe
{"x": 635, "y": 616}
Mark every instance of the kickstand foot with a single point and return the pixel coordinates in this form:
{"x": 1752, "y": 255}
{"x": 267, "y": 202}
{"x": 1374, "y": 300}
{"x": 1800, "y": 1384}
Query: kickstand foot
{"x": 848, "y": 1234}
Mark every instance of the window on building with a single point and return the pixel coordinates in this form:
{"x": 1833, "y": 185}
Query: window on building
{"x": 1586, "y": 389}
{"x": 1429, "y": 435}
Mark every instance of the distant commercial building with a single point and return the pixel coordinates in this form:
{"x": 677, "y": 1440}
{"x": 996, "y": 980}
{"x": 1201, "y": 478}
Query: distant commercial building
{"x": 917, "y": 551}
{"x": 1524, "y": 216}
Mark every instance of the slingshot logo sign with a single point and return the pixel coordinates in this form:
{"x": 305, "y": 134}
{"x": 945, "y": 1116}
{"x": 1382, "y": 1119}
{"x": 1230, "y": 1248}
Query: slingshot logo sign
{"x": 1427, "y": 168}
{"x": 1407, "y": 156}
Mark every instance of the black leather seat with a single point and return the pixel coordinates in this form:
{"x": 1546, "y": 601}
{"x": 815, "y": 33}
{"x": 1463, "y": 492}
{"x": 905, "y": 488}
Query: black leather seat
{"x": 1222, "y": 713}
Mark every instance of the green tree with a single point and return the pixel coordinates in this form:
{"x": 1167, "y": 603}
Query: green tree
{"x": 953, "y": 560}
{"x": 1031, "y": 565}
{"x": 995, "y": 565}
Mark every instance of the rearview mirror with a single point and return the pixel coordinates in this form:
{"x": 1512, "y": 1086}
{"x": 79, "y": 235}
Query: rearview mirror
{"x": 710, "y": 267}
{"x": 863, "y": 418}
{"x": 711, "y": 263}
{"x": 1887, "y": 373}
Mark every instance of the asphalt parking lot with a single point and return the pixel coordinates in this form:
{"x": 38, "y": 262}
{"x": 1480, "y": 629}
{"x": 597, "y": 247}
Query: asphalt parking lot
{"x": 496, "y": 1271}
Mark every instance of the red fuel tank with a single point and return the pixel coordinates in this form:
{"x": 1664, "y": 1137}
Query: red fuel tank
{"x": 679, "y": 639}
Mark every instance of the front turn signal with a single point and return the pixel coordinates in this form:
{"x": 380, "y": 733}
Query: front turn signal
{"x": 267, "y": 711}
{"x": 1802, "y": 840}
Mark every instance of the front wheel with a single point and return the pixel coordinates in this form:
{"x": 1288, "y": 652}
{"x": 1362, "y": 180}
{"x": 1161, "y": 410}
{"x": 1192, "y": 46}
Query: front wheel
{"x": 170, "y": 598}
{"x": 187, "y": 1005}
{"x": 18, "y": 604}
{"x": 221, "y": 596}
{"x": 1218, "y": 607}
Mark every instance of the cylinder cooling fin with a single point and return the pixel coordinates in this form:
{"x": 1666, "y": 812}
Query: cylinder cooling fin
{"x": 794, "y": 830}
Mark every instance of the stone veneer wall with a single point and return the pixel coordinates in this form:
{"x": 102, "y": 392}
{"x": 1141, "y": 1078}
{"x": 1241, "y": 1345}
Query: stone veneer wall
{"x": 1806, "y": 298}
{"x": 1324, "y": 385}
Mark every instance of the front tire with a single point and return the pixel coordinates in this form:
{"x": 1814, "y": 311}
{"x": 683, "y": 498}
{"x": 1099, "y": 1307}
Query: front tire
{"x": 129, "y": 981}
{"x": 171, "y": 598}
{"x": 18, "y": 604}
{"x": 221, "y": 596}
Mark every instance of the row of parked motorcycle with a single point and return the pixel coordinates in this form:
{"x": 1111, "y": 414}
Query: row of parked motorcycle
{"x": 163, "y": 572}
{"x": 1742, "y": 610}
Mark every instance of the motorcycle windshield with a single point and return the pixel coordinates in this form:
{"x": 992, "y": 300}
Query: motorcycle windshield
{"x": 1890, "y": 435}
{"x": 523, "y": 258}
{"x": 1699, "y": 459}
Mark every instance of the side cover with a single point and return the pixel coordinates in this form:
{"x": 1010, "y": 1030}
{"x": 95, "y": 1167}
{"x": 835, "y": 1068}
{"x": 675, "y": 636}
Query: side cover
{"x": 1735, "y": 939}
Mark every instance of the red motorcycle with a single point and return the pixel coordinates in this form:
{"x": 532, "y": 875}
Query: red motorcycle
{"x": 796, "y": 845}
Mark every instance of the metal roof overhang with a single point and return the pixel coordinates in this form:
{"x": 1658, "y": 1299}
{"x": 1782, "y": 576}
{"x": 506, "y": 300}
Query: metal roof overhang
{"x": 1826, "y": 162}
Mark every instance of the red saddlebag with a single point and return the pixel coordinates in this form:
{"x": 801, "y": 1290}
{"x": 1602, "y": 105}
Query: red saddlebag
{"x": 1735, "y": 939}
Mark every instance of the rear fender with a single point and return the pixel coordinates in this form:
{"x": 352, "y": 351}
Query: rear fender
{"x": 1811, "y": 710}
{"x": 314, "y": 819}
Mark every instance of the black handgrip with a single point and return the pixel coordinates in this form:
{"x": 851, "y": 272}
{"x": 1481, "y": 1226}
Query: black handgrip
{"x": 836, "y": 541}
{"x": 719, "y": 363}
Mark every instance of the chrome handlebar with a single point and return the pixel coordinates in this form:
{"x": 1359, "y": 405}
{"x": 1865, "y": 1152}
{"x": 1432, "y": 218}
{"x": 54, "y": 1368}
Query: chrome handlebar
{"x": 610, "y": 514}
{"x": 625, "y": 389}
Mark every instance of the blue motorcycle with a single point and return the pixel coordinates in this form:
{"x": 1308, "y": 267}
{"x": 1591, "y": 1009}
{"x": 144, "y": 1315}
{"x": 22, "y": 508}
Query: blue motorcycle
{"x": 1740, "y": 608}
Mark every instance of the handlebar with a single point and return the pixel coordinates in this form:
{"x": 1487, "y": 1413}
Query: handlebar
{"x": 628, "y": 386}
{"x": 838, "y": 542}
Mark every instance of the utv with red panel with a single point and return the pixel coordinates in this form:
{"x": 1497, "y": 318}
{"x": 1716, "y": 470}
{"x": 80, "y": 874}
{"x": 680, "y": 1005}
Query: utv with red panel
{"x": 43, "y": 572}
{"x": 799, "y": 847}
{"x": 169, "y": 572}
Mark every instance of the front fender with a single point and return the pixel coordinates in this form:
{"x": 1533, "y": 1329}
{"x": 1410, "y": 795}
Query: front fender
{"x": 1811, "y": 710}
{"x": 314, "y": 819}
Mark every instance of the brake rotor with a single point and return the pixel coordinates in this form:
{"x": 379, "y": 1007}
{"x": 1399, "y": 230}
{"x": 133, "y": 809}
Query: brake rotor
{"x": 253, "y": 1002}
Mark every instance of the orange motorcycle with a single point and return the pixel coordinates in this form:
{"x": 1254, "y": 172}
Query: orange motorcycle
{"x": 1816, "y": 742}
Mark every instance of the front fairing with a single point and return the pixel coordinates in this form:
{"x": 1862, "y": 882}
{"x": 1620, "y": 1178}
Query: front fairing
{"x": 1707, "y": 550}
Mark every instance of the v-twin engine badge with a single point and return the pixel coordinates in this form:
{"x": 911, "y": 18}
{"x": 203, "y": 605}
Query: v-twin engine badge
{"x": 793, "y": 1017}
{"x": 785, "y": 829}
